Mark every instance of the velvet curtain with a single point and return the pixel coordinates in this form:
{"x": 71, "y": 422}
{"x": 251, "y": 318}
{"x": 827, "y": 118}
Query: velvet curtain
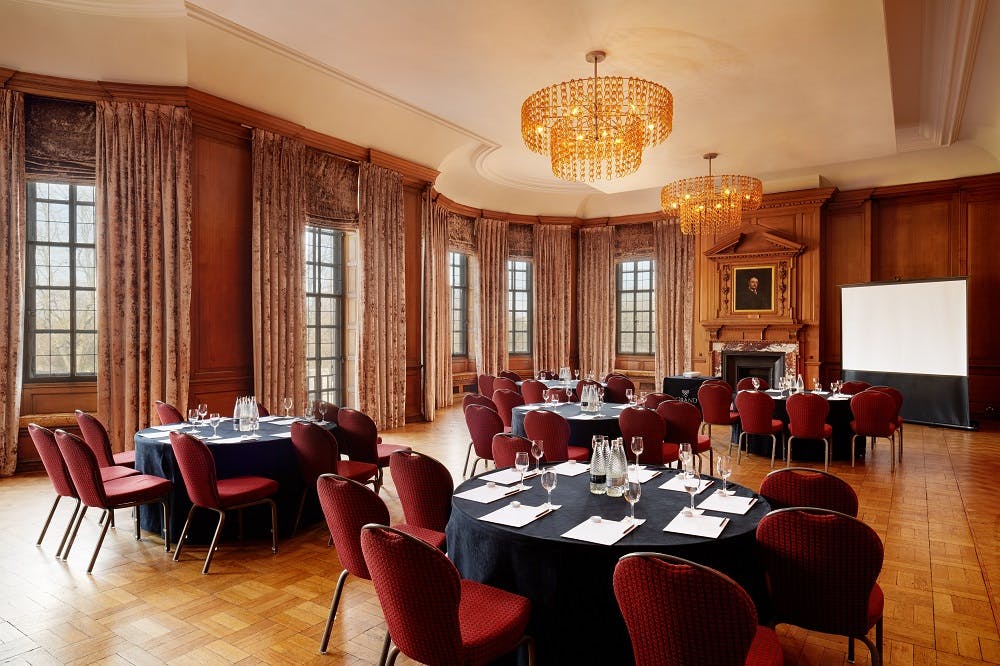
{"x": 12, "y": 227}
{"x": 143, "y": 262}
{"x": 553, "y": 247}
{"x": 674, "y": 253}
{"x": 382, "y": 358}
{"x": 491, "y": 251}
{"x": 277, "y": 267}
{"x": 437, "y": 308}
{"x": 597, "y": 314}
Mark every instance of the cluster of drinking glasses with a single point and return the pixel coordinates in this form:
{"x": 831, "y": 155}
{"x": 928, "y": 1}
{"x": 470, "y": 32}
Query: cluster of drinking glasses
{"x": 548, "y": 475}
{"x": 196, "y": 415}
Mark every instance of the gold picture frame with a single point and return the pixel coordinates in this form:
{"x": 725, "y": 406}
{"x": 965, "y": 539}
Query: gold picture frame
{"x": 753, "y": 289}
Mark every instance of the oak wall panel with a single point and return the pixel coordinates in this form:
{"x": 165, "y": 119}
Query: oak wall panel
{"x": 912, "y": 239}
{"x": 846, "y": 259}
{"x": 984, "y": 304}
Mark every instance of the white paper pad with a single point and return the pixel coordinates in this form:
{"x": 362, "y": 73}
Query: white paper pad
{"x": 675, "y": 483}
{"x": 697, "y": 525}
{"x": 270, "y": 417}
{"x": 839, "y": 397}
{"x": 228, "y": 440}
{"x": 286, "y": 433}
{"x": 171, "y": 427}
{"x": 647, "y": 474}
{"x": 163, "y": 434}
{"x": 605, "y": 532}
{"x": 618, "y": 406}
{"x": 485, "y": 494}
{"x": 531, "y": 407}
{"x": 728, "y": 503}
{"x": 507, "y": 476}
{"x": 285, "y": 421}
{"x": 587, "y": 417}
{"x": 571, "y": 468}
{"x": 518, "y": 516}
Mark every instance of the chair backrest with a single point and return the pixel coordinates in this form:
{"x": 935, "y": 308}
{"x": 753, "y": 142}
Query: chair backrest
{"x": 723, "y": 382}
{"x": 746, "y": 384}
{"x": 45, "y": 443}
{"x": 552, "y": 429}
{"x": 800, "y": 486}
{"x": 506, "y": 401}
{"x": 96, "y": 436}
{"x": 347, "y": 507}
{"x": 331, "y": 413}
{"x": 854, "y": 387}
{"x": 615, "y": 389}
{"x": 509, "y": 374}
{"x": 821, "y": 567}
{"x": 167, "y": 413}
{"x": 483, "y": 423}
{"x": 807, "y": 414}
{"x": 424, "y": 486}
{"x": 532, "y": 390}
{"x": 681, "y": 422}
{"x": 560, "y": 394}
{"x": 505, "y": 384}
{"x": 421, "y": 611}
{"x": 653, "y": 400}
{"x": 262, "y": 410}
{"x": 83, "y": 467}
{"x": 645, "y": 423}
{"x": 715, "y": 399}
{"x": 505, "y": 445}
{"x": 674, "y": 610}
{"x": 316, "y": 449}
{"x": 893, "y": 393}
{"x": 197, "y": 466}
{"x": 874, "y": 413}
{"x": 476, "y": 399}
{"x": 485, "y": 383}
{"x": 358, "y": 435}
{"x": 756, "y": 410}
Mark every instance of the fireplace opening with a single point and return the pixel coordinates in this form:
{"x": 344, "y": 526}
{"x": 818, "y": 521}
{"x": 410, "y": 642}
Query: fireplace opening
{"x": 739, "y": 364}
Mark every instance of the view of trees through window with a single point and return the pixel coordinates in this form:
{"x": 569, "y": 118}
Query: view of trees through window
{"x": 635, "y": 307}
{"x": 324, "y": 264}
{"x": 518, "y": 306}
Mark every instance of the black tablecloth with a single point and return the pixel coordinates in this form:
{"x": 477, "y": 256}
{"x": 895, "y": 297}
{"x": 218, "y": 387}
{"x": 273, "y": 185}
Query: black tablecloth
{"x": 271, "y": 455}
{"x": 839, "y": 419}
{"x": 575, "y": 617}
{"x": 581, "y": 430}
{"x": 675, "y": 385}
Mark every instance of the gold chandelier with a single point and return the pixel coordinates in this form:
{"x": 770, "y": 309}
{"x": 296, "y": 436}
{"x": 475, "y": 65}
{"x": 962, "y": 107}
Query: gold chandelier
{"x": 596, "y": 128}
{"x": 711, "y": 203}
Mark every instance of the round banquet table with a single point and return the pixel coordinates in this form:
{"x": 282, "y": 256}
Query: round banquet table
{"x": 582, "y": 425}
{"x": 270, "y": 455}
{"x": 575, "y": 617}
{"x": 839, "y": 419}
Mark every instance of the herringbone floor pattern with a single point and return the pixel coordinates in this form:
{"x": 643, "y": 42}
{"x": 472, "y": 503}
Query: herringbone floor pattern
{"x": 939, "y": 517}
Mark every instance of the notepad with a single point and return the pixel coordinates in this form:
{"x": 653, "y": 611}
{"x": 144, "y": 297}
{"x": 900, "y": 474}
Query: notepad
{"x": 697, "y": 525}
{"x": 485, "y": 494}
{"x": 605, "y": 532}
{"x": 518, "y": 515}
{"x": 728, "y": 503}
{"x": 508, "y": 476}
{"x": 675, "y": 483}
{"x": 172, "y": 427}
{"x": 571, "y": 468}
{"x": 163, "y": 434}
{"x": 645, "y": 474}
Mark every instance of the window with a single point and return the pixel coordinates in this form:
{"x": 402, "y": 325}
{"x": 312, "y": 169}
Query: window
{"x": 458, "y": 279}
{"x": 61, "y": 283}
{"x": 518, "y": 307}
{"x": 324, "y": 315}
{"x": 635, "y": 307}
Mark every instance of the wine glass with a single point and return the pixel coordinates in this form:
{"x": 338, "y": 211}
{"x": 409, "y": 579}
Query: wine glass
{"x": 549, "y": 479}
{"x": 686, "y": 456}
{"x": 321, "y": 406}
{"x": 576, "y": 374}
{"x": 691, "y": 481}
{"x": 633, "y": 490}
{"x": 600, "y": 393}
{"x": 724, "y": 468}
{"x": 202, "y": 411}
{"x": 569, "y": 394}
{"x": 756, "y": 383}
{"x": 214, "y": 419}
{"x": 817, "y": 387}
{"x": 287, "y": 402}
{"x": 537, "y": 449}
{"x": 193, "y": 418}
{"x": 629, "y": 395}
{"x": 637, "y": 445}
{"x": 521, "y": 464}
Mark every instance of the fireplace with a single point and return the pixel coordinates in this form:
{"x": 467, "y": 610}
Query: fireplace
{"x": 764, "y": 364}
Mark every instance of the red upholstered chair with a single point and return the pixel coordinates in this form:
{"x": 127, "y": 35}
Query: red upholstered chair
{"x": 801, "y": 486}
{"x": 505, "y": 445}
{"x": 168, "y": 414}
{"x": 646, "y": 423}
{"x": 358, "y": 434}
{"x": 615, "y": 388}
{"x": 505, "y": 384}
{"x": 476, "y": 399}
{"x": 716, "y": 400}
{"x": 821, "y": 570}
{"x": 207, "y": 491}
{"x": 874, "y": 416}
{"x": 653, "y": 400}
{"x": 533, "y": 390}
{"x": 679, "y": 613}
{"x": 483, "y": 423}
{"x": 262, "y": 410}
{"x": 330, "y": 414}
{"x": 553, "y": 430}
{"x": 96, "y": 436}
{"x": 807, "y": 414}
{"x": 746, "y": 384}
{"x": 347, "y": 507}
{"x": 682, "y": 420}
{"x": 318, "y": 453}
{"x": 897, "y": 397}
{"x": 506, "y": 401}
{"x": 854, "y": 387}
{"x": 560, "y": 394}
{"x": 756, "y": 410}
{"x": 509, "y": 374}
{"x": 120, "y": 493}
{"x": 485, "y": 383}
{"x": 437, "y": 617}
{"x": 425, "y": 488}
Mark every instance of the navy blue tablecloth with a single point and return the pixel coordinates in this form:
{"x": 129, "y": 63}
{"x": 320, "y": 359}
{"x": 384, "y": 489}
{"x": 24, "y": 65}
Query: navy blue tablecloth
{"x": 581, "y": 430}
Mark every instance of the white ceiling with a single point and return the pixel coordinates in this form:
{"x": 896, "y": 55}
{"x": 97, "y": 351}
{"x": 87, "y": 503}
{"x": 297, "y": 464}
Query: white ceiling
{"x": 797, "y": 92}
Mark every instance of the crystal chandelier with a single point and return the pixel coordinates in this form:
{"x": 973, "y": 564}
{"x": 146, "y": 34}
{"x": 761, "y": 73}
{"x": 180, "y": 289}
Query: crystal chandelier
{"x": 596, "y": 128}
{"x": 711, "y": 204}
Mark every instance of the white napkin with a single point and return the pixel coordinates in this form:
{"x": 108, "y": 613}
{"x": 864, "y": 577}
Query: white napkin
{"x": 571, "y": 468}
{"x": 697, "y": 525}
{"x": 507, "y": 476}
{"x": 285, "y": 421}
{"x": 518, "y": 515}
{"x": 531, "y": 406}
{"x": 485, "y": 494}
{"x": 286, "y": 433}
{"x": 171, "y": 427}
{"x": 163, "y": 434}
{"x": 582, "y": 416}
{"x": 675, "y": 483}
{"x": 604, "y": 532}
{"x": 728, "y": 503}
{"x": 270, "y": 417}
{"x": 618, "y": 405}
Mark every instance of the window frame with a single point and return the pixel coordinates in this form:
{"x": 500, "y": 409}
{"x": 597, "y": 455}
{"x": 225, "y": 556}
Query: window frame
{"x": 315, "y": 388}
{"x": 515, "y": 266}
{"x": 620, "y": 333}
{"x": 459, "y": 315}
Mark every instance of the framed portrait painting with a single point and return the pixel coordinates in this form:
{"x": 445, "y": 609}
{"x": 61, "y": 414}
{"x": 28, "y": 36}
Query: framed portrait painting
{"x": 753, "y": 288}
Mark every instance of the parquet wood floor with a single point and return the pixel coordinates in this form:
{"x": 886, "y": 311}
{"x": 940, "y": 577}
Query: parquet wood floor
{"x": 939, "y": 517}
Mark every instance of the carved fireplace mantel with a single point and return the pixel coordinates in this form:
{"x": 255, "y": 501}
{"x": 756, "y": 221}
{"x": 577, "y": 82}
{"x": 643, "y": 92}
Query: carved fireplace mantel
{"x": 753, "y": 331}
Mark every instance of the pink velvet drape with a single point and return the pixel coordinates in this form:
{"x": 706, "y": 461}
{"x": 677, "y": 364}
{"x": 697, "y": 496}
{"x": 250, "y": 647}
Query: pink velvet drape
{"x": 491, "y": 251}
{"x": 597, "y": 300}
{"x": 674, "y": 254}
{"x": 437, "y": 308}
{"x": 553, "y": 248}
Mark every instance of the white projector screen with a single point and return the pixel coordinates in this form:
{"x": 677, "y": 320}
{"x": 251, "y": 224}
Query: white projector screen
{"x": 905, "y": 327}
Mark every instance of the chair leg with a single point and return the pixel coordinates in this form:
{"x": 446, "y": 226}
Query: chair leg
{"x": 386, "y": 642}
{"x": 788, "y": 451}
{"x": 135, "y": 521}
{"x": 892, "y": 453}
{"x": 69, "y": 526}
{"x": 465, "y": 467}
{"x": 184, "y": 531}
{"x": 215, "y": 541}
{"x": 72, "y": 537}
{"x": 826, "y": 453}
{"x": 165, "y": 502}
{"x": 854, "y": 440}
{"x": 878, "y": 642}
{"x": 850, "y": 649}
{"x": 274, "y": 526}
{"x": 337, "y": 591}
{"x": 100, "y": 541}
{"x": 48, "y": 520}
{"x": 475, "y": 463}
{"x": 900, "y": 432}
{"x": 739, "y": 448}
{"x": 393, "y": 653}
{"x": 298, "y": 514}
{"x": 774, "y": 446}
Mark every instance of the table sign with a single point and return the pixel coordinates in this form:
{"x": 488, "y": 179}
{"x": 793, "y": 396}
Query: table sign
{"x": 605, "y": 532}
{"x": 677, "y": 483}
{"x": 697, "y": 525}
{"x": 486, "y": 493}
{"x": 728, "y": 503}
{"x": 516, "y": 514}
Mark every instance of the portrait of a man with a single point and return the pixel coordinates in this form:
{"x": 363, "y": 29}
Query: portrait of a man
{"x": 754, "y": 289}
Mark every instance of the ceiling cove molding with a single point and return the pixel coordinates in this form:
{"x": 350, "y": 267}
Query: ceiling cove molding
{"x": 214, "y": 20}
{"x": 480, "y": 159}
{"x": 141, "y": 9}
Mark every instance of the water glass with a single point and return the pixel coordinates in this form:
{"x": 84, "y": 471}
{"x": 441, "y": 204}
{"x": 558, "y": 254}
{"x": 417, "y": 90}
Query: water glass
{"x": 692, "y": 481}
{"x": 202, "y": 411}
{"x": 214, "y": 419}
{"x": 287, "y": 402}
{"x": 521, "y": 464}
{"x": 193, "y": 418}
{"x": 686, "y": 455}
{"x": 630, "y": 396}
{"x": 724, "y": 468}
{"x": 537, "y": 450}
{"x": 633, "y": 490}
{"x": 637, "y": 446}
{"x": 569, "y": 395}
{"x": 549, "y": 480}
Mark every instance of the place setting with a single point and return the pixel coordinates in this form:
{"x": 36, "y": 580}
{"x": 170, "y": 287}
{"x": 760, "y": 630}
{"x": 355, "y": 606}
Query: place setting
{"x": 517, "y": 514}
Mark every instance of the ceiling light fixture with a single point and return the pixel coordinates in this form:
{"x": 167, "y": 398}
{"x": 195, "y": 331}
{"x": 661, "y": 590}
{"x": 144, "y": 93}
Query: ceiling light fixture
{"x": 596, "y": 128}
{"x": 711, "y": 204}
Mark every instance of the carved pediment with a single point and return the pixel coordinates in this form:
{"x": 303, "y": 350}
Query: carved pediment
{"x": 752, "y": 245}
